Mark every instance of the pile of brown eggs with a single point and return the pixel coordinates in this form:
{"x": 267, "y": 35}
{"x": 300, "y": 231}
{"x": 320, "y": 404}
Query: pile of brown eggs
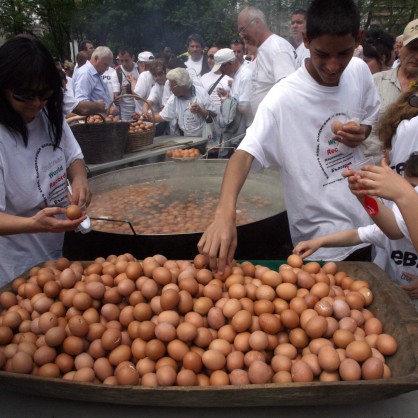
{"x": 183, "y": 153}
{"x": 159, "y": 322}
{"x": 162, "y": 209}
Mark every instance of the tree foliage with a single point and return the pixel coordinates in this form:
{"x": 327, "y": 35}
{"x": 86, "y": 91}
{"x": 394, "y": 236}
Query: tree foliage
{"x": 144, "y": 25}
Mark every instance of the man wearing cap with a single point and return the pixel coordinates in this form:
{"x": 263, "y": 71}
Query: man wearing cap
{"x": 145, "y": 80}
{"x": 88, "y": 83}
{"x": 276, "y": 58}
{"x": 122, "y": 78}
{"x": 227, "y": 62}
{"x": 392, "y": 83}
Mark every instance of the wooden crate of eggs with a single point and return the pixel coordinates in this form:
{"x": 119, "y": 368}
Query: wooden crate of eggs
{"x": 172, "y": 332}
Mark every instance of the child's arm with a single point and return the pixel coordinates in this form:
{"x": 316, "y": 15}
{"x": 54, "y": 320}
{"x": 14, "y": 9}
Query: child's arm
{"x": 361, "y": 185}
{"x": 345, "y": 238}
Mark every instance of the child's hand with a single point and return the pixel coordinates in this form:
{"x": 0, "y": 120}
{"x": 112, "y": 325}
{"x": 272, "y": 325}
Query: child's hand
{"x": 306, "y": 248}
{"x": 411, "y": 289}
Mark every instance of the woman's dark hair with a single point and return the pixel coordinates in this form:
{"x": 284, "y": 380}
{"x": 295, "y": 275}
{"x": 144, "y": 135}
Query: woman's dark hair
{"x": 332, "y": 17}
{"x": 378, "y": 44}
{"x": 411, "y": 166}
{"x": 25, "y": 63}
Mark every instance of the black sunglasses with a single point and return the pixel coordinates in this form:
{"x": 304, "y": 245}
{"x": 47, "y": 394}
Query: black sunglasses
{"x": 211, "y": 56}
{"x": 26, "y": 96}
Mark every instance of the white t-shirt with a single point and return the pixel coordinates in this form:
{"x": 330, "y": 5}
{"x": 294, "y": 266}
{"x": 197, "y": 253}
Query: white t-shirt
{"x": 400, "y": 221}
{"x": 156, "y": 96}
{"x": 127, "y": 104}
{"x": 276, "y": 59}
{"x": 194, "y": 67}
{"x": 178, "y": 108}
{"x": 166, "y": 93}
{"x": 292, "y": 131}
{"x": 32, "y": 178}
{"x": 69, "y": 102}
{"x": 208, "y": 80}
{"x": 404, "y": 142}
{"x": 107, "y": 77}
{"x": 143, "y": 88}
{"x": 302, "y": 53}
{"x": 400, "y": 253}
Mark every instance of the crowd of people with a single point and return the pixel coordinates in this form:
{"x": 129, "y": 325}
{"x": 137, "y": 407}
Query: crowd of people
{"x": 274, "y": 100}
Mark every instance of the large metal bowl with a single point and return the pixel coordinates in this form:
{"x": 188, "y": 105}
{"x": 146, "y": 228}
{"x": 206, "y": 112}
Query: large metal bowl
{"x": 267, "y": 237}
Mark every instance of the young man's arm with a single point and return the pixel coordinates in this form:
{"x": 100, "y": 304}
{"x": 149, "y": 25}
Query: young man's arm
{"x": 219, "y": 241}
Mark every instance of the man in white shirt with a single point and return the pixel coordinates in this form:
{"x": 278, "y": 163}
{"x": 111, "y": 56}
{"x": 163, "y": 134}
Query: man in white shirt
{"x": 145, "y": 80}
{"x": 276, "y": 58}
{"x": 124, "y": 75}
{"x": 88, "y": 83}
{"x": 228, "y": 64}
{"x": 297, "y": 28}
{"x": 196, "y": 63}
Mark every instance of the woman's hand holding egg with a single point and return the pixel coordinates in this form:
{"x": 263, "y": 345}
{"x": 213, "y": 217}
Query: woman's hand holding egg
{"x": 45, "y": 221}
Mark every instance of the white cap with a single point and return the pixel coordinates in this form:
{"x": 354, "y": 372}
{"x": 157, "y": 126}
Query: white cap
{"x": 223, "y": 56}
{"x": 145, "y": 56}
{"x": 411, "y": 32}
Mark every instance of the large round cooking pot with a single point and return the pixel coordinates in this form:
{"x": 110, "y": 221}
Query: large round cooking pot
{"x": 266, "y": 237}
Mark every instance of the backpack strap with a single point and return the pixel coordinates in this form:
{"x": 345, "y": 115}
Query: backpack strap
{"x": 210, "y": 91}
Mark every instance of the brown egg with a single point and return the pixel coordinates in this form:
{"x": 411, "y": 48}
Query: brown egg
{"x": 286, "y": 291}
{"x": 372, "y": 369}
{"x": 239, "y": 377}
{"x": 386, "y": 344}
{"x": 336, "y": 126}
{"x": 55, "y": 336}
{"x": 350, "y": 370}
{"x": 177, "y": 349}
{"x": 219, "y": 378}
{"x": 186, "y": 377}
{"x": 316, "y": 326}
{"x": 259, "y": 372}
{"x": 127, "y": 375}
{"x": 213, "y": 360}
{"x": 74, "y": 212}
{"x": 22, "y": 363}
{"x": 102, "y": 368}
{"x": 373, "y": 326}
{"x": 328, "y": 358}
{"x": 166, "y": 376}
{"x": 359, "y": 351}
{"x": 301, "y": 372}
{"x": 342, "y": 338}
{"x": 295, "y": 261}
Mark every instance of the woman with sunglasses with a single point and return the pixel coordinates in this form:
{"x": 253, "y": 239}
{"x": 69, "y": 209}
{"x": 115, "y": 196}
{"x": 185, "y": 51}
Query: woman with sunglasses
{"x": 38, "y": 157}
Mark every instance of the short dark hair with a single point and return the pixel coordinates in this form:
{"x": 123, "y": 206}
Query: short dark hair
{"x": 332, "y": 17}
{"x": 238, "y": 42}
{"x": 175, "y": 62}
{"x": 126, "y": 50}
{"x": 300, "y": 12}
{"x": 411, "y": 165}
{"x": 25, "y": 63}
{"x": 378, "y": 44}
{"x": 83, "y": 45}
{"x": 195, "y": 37}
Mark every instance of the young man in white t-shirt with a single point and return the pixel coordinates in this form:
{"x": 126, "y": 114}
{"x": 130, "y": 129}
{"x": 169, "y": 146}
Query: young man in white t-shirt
{"x": 196, "y": 63}
{"x": 292, "y": 131}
